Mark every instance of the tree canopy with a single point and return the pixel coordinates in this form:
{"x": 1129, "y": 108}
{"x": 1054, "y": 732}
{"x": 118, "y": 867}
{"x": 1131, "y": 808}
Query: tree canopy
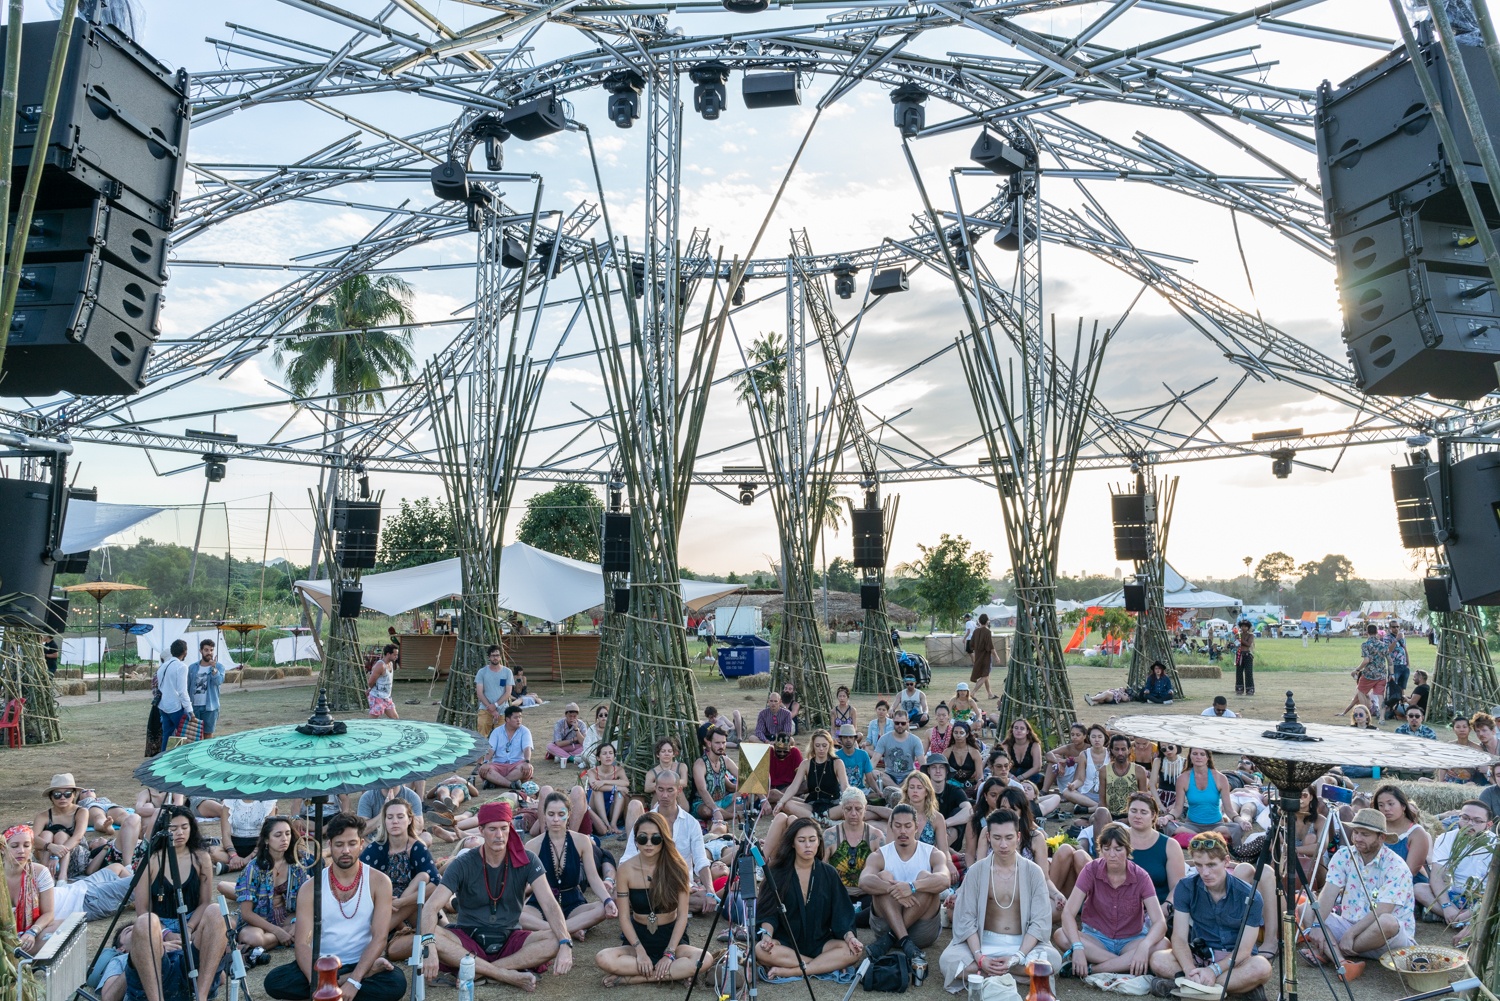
{"x": 1273, "y": 569}
{"x": 950, "y": 578}
{"x": 420, "y": 532}
{"x": 337, "y": 339}
{"x": 565, "y": 520}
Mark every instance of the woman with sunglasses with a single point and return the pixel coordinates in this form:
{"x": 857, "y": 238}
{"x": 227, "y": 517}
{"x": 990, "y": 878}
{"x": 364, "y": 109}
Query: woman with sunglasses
{"x": 594, "y": 735}
{"x": 1166, "y": 768}
{"x": 652, "y": 896}
{"x": 188, "y": 873}
{"x": 267, "y": 885}
{"x": 60, "y": 829}
{"x": 568, "y": 858}
{"x": 816, "y": 931}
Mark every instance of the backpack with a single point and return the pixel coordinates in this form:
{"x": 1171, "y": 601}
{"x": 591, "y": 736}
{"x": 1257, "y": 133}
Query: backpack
{"x": 890, "y": 974}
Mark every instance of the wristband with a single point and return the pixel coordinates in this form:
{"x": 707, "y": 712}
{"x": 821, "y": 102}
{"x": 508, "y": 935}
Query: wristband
{"x": 357, "y": 985}
{"x": 565, "y": 942}
{"x": 913, "y": 885}
{"x": 1218, "y": 971}
{"x": 1077, "y": 946}
{"x": 669, "y": 956}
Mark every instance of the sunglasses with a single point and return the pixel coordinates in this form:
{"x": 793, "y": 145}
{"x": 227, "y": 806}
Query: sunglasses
{"x": 648, "y": 839}
{"x": 1204, "y": 842}
{"x": 63, "y": 794}
{"x": 1413, "y": 715}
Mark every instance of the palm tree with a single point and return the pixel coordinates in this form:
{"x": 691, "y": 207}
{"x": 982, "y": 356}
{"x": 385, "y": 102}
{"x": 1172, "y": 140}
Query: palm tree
{"x": 766, "y": 371}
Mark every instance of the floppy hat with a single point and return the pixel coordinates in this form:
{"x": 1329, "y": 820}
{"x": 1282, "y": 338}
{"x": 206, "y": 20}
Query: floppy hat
{"x": 62, "y": 780}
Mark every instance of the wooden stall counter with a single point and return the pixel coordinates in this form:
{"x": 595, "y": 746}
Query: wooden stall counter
{"x": 565, "y": 657}
{"x": 419, "y": 651}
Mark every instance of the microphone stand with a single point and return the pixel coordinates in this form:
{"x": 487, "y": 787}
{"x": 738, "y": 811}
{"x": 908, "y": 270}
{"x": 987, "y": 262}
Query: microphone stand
{"x": 787, "y": 923}
{"x": 154, "y": 842}
{"x": 236, "y": 960}
{"x": 182, "y": 919}
{"x": 744, "y": 876}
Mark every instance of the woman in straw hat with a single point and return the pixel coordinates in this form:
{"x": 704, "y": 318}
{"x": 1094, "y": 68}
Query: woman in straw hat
{"x": 60, "y": 830}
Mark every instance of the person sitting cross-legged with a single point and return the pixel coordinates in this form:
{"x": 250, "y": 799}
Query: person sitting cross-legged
{"x": 508, "y": 762}
{"x": 157, "y": 962}
{"x": 817, "y": 931}
{"x": 568, "y": 858}
{"x": 489, "y": 886}
{"x": 905, "y": 878}
{"x": 1123, "y": 923}
{"x": 268, "y": 885}
{"x": 356, "y": 916}
{"x": 1207, "y": 907}
{"x": 1366, "y": 904}
{"x": 1460, "y": 863}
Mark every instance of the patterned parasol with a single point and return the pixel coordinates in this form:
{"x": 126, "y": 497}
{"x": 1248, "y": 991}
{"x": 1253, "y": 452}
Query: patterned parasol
{"x": 320, "y": 758}
{"x": 99, "y": 590}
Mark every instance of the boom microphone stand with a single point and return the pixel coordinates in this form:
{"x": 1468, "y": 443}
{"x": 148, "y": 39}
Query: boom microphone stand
{"x": 743, "y": 876}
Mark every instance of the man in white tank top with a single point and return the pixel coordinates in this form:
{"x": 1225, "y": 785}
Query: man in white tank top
{"x": 356, "y": 923}
{"x": 904, "y": 880}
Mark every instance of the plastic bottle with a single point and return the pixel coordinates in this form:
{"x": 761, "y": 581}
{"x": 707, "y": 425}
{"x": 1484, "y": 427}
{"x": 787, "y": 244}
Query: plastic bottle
{"x": 466, "y": 979}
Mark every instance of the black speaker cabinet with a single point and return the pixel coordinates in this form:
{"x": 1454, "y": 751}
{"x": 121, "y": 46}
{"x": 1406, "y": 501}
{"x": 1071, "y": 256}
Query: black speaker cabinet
{"x": 535, "y": 119}
{"x": 1473, "y": 541}
{"x": 1395, "y": 243}
{"x": 25, "y": 570}
{"x": 1414, "y": 506}
{"x": 616, "y": 549}
{"x": 994, "y": 153}
{"x": 1133, "y": 509}
{"x": 356, "y": 516}
{"x": 351, "y": 600}
{"x": 71, "y": 232}
{"x": 1440, "y": 596}
{"x": 620, "y": 600}
{"x": 1135, "y": 597}
{"x": 122, "y": 120}
{"x": 74, "y": 562}
{"x": 1376, "y": 138}
{"x": 888, "y": 281}
{"x": 1132, "y": 542}
{"x": 869, "y": 539}
{"x": 771, "y": 90}
{"x": 356, "y": 550}
{"x": 56, "y": 617}
{"x": 869, "y": 597}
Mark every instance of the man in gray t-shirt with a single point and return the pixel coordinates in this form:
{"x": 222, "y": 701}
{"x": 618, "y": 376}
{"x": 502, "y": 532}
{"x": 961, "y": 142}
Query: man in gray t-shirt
{"x": 493, "y": 684}
{"x": 372, "y": 801}
{"x": 896, "y": 755}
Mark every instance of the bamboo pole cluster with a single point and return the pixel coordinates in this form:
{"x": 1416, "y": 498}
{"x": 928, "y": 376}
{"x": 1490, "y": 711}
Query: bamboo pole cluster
{"x": 24, "y": 675}
{"x": 657, "y": 381}
{"x": 1464, "y": 675}
{"x": 1033, "y": 415}
{"x": 1152, "y": 643}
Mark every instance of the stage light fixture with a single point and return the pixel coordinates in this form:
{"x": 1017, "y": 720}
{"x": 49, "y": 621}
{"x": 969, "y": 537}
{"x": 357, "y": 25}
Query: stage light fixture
{"x": 1281, "y": 463}
{"x": 494, "y": 154}
{"x": 910, "y": 116}
{"x": 544, "y": 249}
{"x": 450, "y": 181}
{"x": 843, "y": 279}
{"x": 709, "y": 93}
{"x": 638, "y": 279}
{"x": 213, "y": 466}
{"x": 624, "y": 97}
{"x": 960, "y": 249}
{"x": 747, "y": 494}
{"x": 738, "y": 299}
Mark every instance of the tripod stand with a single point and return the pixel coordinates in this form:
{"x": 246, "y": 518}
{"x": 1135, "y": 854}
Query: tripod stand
{"x": 743, "y": 876}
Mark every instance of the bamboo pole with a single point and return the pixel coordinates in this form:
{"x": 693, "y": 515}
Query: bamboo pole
{"x": 9, "y": 98}
{"x": 34, "y": 168}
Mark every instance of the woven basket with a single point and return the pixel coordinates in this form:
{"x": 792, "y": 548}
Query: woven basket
{"x": 1427, "y": 967}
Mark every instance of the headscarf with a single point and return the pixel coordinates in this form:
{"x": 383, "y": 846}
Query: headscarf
{"x": 490, "y": 813}
{"x": 29, "y": 905}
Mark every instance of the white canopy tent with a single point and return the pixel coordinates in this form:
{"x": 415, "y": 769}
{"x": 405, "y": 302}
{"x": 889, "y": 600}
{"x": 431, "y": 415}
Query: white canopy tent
{"x": 1176, "y": 593}
{"x": 532, "y": 582}
{"x": 90, "y": 524}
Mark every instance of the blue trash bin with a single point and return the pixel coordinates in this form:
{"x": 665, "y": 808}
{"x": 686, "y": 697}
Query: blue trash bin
{"x": 744, "y": 655}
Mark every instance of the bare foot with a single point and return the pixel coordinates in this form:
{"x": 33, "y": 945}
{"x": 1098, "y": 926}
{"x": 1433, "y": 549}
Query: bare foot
{"x": 610, "y": 981}
{"x": 518, "y": 978}
{"x": 581, "y": 934}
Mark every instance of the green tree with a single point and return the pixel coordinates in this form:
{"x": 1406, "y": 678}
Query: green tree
{"x": 1333, "y": 583}
{"x": 766, "y": 361}
{"x": 952, "y": 577}
{"x": 421, "y": 532}
{"x": 565, "y": 520}
{"x": 842, "y": 576}
{"x": 337, "y": 340}
{"x": 1112, "y": 624}
{"x": 1273, "y": 569}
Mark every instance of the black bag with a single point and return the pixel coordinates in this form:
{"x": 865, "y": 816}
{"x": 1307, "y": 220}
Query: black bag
{"x": 890, "y": 974}
{"x": 968, "y": 646}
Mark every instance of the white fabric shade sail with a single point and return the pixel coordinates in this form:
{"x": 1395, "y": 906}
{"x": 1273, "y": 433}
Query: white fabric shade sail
{"x": 89, "y": 524}
{"x": 532, "y": 582}
{"x": 1177, "y": 593}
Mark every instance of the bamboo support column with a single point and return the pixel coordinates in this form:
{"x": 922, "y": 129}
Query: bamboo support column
{"x": 1152, "y": 642}
{"x": 878, "y": 672}
{"x": 1464, "y": 675}
{"x": 23, "y": 674}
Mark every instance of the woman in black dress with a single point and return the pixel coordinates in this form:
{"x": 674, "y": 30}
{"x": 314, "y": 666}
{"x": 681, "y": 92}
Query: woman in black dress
{"x": 652, "y": 895}
{"x": 819, "y": 920}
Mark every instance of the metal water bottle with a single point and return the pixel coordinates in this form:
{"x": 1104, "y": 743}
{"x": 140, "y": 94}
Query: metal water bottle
{"x": 466, "y": 979}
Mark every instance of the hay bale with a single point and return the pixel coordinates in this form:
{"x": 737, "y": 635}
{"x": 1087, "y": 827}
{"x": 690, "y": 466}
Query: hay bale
{"x": 69, "y": 673}
{"x": 296, "y": 672}
{"x": 136, "y": 684}
{"x": 70, "y": 686}
{"x": 1201, "y": 671}
{"x": 1432, "y": 798}
{"x": 750, "y": 681}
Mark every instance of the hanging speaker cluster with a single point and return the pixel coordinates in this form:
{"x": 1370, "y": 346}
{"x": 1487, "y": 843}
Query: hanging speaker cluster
{"x": 356, "y": 524}
{"x": 869, "y": 539}
{"x": 1414, "y": 517}
{"x": 1134, "y": 517}
{"x": 616, "y": 548}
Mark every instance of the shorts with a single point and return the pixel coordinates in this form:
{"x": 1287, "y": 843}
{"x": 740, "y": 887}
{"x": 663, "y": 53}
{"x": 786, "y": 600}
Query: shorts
{"x": 1368, "y": 685}
{"x": 507, "y": 768}
{"x": 208, "y": 717}
{"x": 1114, "y": 945}
{"x": 513, "y": 944}
{"x": 486, "y": 722}
{"x": 379, "y": 705}
{"x": 244, "y": 847}
{"x": 1338, "y": 926}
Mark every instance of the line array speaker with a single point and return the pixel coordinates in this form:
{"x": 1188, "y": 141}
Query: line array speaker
{"x": 25, "y": 568}
{"x": 869, "y": 539}
{"x": 356, "y": 516}
{"x": 1413, "y": 506}
{"x": 356, "y": 550}
{"x": 869, "y": 597}
{"x": 1472, "y": 539}
{"x": 616, "y": 549}
{"x": 1135, "y": 597}
{"x": 1132, "y": 542}
{"x": 57, "y": 614}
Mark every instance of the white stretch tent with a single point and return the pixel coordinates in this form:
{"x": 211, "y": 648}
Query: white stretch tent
{"x": 1176, "y": 593}
{"x": 152, "y": 647}
{"x": 532, "y": 582}
{"x": 294, "y": 648}
{"x": 90, "y": 524}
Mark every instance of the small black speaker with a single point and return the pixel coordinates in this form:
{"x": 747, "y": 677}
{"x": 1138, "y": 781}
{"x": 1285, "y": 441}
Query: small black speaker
{"x": 888, "y": 281}
{"x": 1440, "y": 596}
{"x": 74, "y": 562}
{"x": 1135, "y": 597}
{"x": 1414, "y": 506}
{"x": 1472, "y": 538}
{"x": 512, "y": 253}
{"x": 450, "y": 181}
{"x": 869, "y": 539}
{"x": 869, "y": 597}
{"x": 1132, "y": 542}
{"x": 771, "y": 90}
{"x": 993, "y": 153}
{"x": 620, "y": 600}
{"x": 25, "y": 572}
{"x": 57, "y": 614}
{"x": 356, "y": 516}
{"x": 351, "y": 600}
{"x": 616, "y": 549}
{"x": 535, "y": 119}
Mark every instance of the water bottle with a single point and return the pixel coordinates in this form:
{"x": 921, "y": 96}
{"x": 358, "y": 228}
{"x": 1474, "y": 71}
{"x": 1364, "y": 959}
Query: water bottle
{"x": 466, "y": 979}
{"x": 976, "y": 987}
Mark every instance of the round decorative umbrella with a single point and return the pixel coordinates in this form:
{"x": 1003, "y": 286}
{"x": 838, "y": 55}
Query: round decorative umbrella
{"x": 243, "y": 629}
{"x": 99, "y": 590}
{"x": 321, "y": 758}
{"x": 1292, "y": 754}
{"x": 133, "y": 629}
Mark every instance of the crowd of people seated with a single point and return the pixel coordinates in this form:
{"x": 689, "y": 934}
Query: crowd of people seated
{"x": 921, "y": 820}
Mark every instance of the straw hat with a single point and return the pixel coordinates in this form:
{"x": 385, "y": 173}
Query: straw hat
{"x": 62, "y": 780}
{"x": 1370, "y": 820}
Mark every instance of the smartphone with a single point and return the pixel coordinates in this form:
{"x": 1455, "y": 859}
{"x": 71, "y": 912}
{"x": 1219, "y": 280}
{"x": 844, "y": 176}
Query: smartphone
{"x": 1336, "y": 794}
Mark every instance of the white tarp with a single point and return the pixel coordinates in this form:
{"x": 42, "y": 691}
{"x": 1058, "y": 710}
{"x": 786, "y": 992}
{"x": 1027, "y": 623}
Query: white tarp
{"x": 152, "y": 647}
{"x": 1177, "y": 593}
{"x": 90, "y": 524}
{"x": 80, "y": 650}
{"x": 532, "y": 582}
{"x": 294, "y": 648}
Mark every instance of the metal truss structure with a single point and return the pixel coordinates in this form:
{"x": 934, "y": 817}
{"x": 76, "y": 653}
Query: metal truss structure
{"x": 998, "y": 64}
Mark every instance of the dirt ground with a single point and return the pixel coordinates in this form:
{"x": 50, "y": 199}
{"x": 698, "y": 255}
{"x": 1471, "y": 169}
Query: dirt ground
{"x": 104, "y": 742}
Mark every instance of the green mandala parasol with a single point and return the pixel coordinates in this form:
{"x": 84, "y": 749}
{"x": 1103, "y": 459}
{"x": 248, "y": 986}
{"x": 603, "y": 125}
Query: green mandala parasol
{"x": 320, "y": 758}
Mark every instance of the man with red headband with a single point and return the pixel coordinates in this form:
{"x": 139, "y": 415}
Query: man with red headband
{"x": 489, "y": 887}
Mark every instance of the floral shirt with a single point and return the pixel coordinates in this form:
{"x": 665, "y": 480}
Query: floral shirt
{"x": 402, "y": 868}
{"x": 257, "y": 887}
{"x": 1377, "y": 657}
{"x": 1388, "y": 880}
{"x": 1424, "y": 731}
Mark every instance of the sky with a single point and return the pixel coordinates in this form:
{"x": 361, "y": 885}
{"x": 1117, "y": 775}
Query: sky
{"x": 851, "y": 190}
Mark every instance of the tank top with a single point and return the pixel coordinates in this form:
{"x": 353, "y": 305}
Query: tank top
{"x": 962, "y": 772}
{"x": 848, "y": 860}
{"x": 1401, "y": 845}
{"x": 822, "y": 782}
{"x": 1118, "y": 789}
{"x": 938, "y": 740}
{"x": 717, "y": 782}
{"x": 1090, "y": 773}
{"x": 346, "y": 937}
{"x": 907, "y": 870}
{"x": 1203, "y": 805}
{"x": 164, "y": 893}
{"x": 571, "y": 877}
{"x": 1154, "y": 861}
{"x": 842, "y": 716}
{"x": 382, "y": 687}
{"x": 1167, "y": 774}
